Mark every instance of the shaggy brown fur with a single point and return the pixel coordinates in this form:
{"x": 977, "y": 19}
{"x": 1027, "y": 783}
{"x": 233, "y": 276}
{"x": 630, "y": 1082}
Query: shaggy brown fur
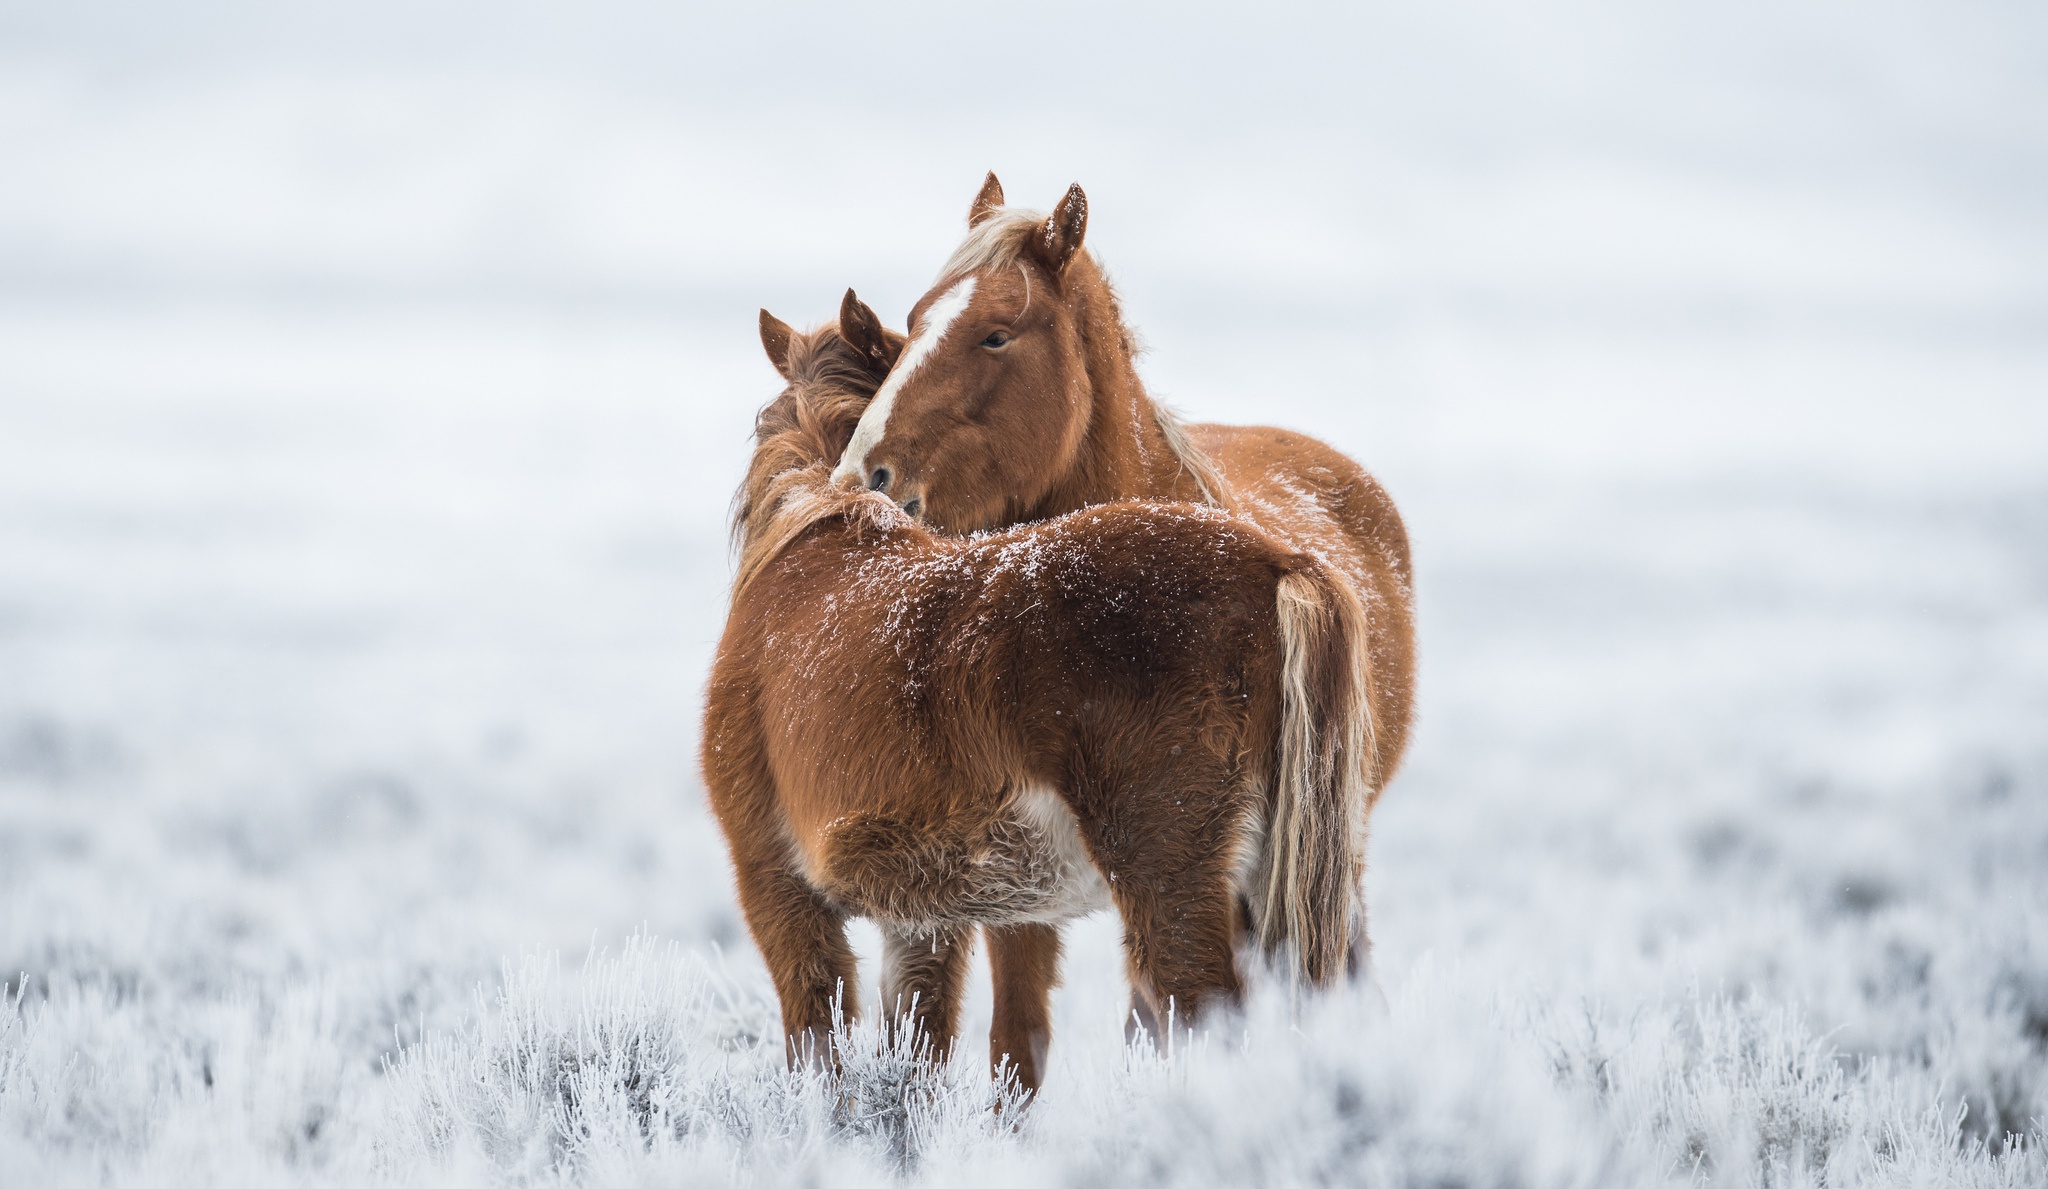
{"x": 1149, "y": 705}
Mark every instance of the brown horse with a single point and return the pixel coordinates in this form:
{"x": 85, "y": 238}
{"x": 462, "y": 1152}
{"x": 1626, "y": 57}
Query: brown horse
{"x": 1149, "y": 705}
{"x": 1016, "y": 399}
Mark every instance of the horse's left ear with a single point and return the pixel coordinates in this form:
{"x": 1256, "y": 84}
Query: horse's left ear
{"x": 864, "y": 332}
{"x": 1060, "y": 236}
{"x": 776, "y": 337}
{"x": 986, "y": 202}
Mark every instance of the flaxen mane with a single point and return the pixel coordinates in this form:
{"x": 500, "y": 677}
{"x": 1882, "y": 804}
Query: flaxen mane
{"x": 995, "y": 242}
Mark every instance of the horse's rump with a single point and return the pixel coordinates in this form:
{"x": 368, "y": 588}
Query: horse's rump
{"x": 1318, "y": 500}
{"x": 914, "y": 692}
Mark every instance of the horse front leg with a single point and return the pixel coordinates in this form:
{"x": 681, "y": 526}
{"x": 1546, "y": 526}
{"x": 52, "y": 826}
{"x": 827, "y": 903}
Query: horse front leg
{"x": 1024, "y": 964}
{"x": 922, "y": 974}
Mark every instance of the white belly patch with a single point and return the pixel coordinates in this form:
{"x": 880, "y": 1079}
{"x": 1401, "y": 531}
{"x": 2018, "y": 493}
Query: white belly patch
{"x": 1076, "y": 887}
{"x": 1025, "y": 864}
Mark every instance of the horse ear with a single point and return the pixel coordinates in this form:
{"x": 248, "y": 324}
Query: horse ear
{"x": 1060, "y": 237}
{"x": 863, "y": 331}
{"x": 776, "y": 337}
{"x": 986, "y": 202}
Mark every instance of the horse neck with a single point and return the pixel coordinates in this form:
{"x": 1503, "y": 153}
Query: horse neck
{"x": 1123, "y": 452}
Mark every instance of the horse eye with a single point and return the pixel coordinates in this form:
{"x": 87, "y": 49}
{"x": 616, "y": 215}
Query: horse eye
{"x": 996, "y": 338}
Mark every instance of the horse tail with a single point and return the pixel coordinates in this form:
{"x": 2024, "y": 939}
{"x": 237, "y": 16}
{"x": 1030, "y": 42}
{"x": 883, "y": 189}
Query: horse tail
{"x": 1315, "y": 841}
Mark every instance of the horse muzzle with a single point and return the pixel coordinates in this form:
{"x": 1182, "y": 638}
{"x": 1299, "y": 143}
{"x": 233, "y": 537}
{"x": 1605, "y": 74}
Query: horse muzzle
{"x": 886, "y": 480}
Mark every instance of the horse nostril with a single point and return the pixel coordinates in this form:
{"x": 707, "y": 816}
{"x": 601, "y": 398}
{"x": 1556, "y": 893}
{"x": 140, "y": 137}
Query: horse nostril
{"x": 912, "y": 508}
{"x": 879, "y": 481}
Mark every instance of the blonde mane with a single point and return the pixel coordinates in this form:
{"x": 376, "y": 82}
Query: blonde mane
{"x": 797, "y": 438}
{"x": 1193, "y": 459}
{"x": 998, "y": 242}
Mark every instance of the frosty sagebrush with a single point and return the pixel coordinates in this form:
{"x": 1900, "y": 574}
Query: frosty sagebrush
{"x": 654, "y": 1063}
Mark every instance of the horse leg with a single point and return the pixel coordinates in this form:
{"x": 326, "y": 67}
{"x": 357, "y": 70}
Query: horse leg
{"x": 1169, "y": 857}
{"x": 922, "y": 973}
{"x": 803, "y": 939}
{"x": 1358, "y": 954}
{"x": 1141, "y": 1020}
{"x": 1024, "y": 964}
{"x": 1180, "y": 949}
{"x": 1358, "y": 964}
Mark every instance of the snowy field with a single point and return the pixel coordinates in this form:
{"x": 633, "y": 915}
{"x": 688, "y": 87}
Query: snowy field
{"x": 366, "y": 438}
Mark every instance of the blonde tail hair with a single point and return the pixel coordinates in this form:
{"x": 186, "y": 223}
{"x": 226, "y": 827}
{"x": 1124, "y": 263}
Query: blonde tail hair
{"x": 1323, "y": 774}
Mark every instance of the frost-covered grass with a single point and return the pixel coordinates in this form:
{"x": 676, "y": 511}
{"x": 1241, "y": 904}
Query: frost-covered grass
{"x": 358, "y": 575}
{"x": 655, "y": 1065}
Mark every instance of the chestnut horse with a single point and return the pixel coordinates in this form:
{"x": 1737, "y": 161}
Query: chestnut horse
{"x": 1148, "y": 705}
{"x": 1017, "y": 399}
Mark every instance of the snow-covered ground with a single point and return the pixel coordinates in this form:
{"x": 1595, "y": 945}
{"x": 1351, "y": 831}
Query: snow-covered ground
{"x": 365, "y": 444}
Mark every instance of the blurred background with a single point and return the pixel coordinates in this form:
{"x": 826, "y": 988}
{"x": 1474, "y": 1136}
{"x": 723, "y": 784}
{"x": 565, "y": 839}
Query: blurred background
{"x": 374, "y": 379}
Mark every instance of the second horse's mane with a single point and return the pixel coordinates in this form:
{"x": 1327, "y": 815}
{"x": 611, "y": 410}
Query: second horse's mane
{"x": 797, "y": 440}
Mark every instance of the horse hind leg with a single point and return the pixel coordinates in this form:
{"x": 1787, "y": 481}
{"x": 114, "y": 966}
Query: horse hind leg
{"x": 1141, "y": 1021}
{"x": 922, "y": 975}
{"x": 1175, "y": 887}
{"x": 801, "y": 933}
{"x": 1180, "y": 953}
{"x": 1024, "y": 964}
{"x": 1358, "y": 964}
{"x": 803, "y": 939}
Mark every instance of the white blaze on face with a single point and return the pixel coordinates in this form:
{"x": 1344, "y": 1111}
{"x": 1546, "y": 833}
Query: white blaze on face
{"x": 853, "y": 464}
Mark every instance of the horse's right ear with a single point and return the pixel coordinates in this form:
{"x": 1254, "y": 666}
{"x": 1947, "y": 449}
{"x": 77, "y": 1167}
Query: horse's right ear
{"x": 986, "y": 202}
{"x": 1059, "y": 237}
{"x": 775, "y": 339}
{"x": 864, "y": 332}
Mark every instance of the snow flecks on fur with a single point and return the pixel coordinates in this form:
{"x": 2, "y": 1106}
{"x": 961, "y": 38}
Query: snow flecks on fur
{"x": 1300, "y": 508}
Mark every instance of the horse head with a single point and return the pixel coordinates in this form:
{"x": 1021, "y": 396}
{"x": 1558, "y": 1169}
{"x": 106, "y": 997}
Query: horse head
{"x": 987, "y": 407}
{"x": 830, "y": 376}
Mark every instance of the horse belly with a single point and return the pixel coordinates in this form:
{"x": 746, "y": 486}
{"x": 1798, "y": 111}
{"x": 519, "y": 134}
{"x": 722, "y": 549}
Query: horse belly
{"x": 1077, "y": 888}
{"x": 1026, "y": 863}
